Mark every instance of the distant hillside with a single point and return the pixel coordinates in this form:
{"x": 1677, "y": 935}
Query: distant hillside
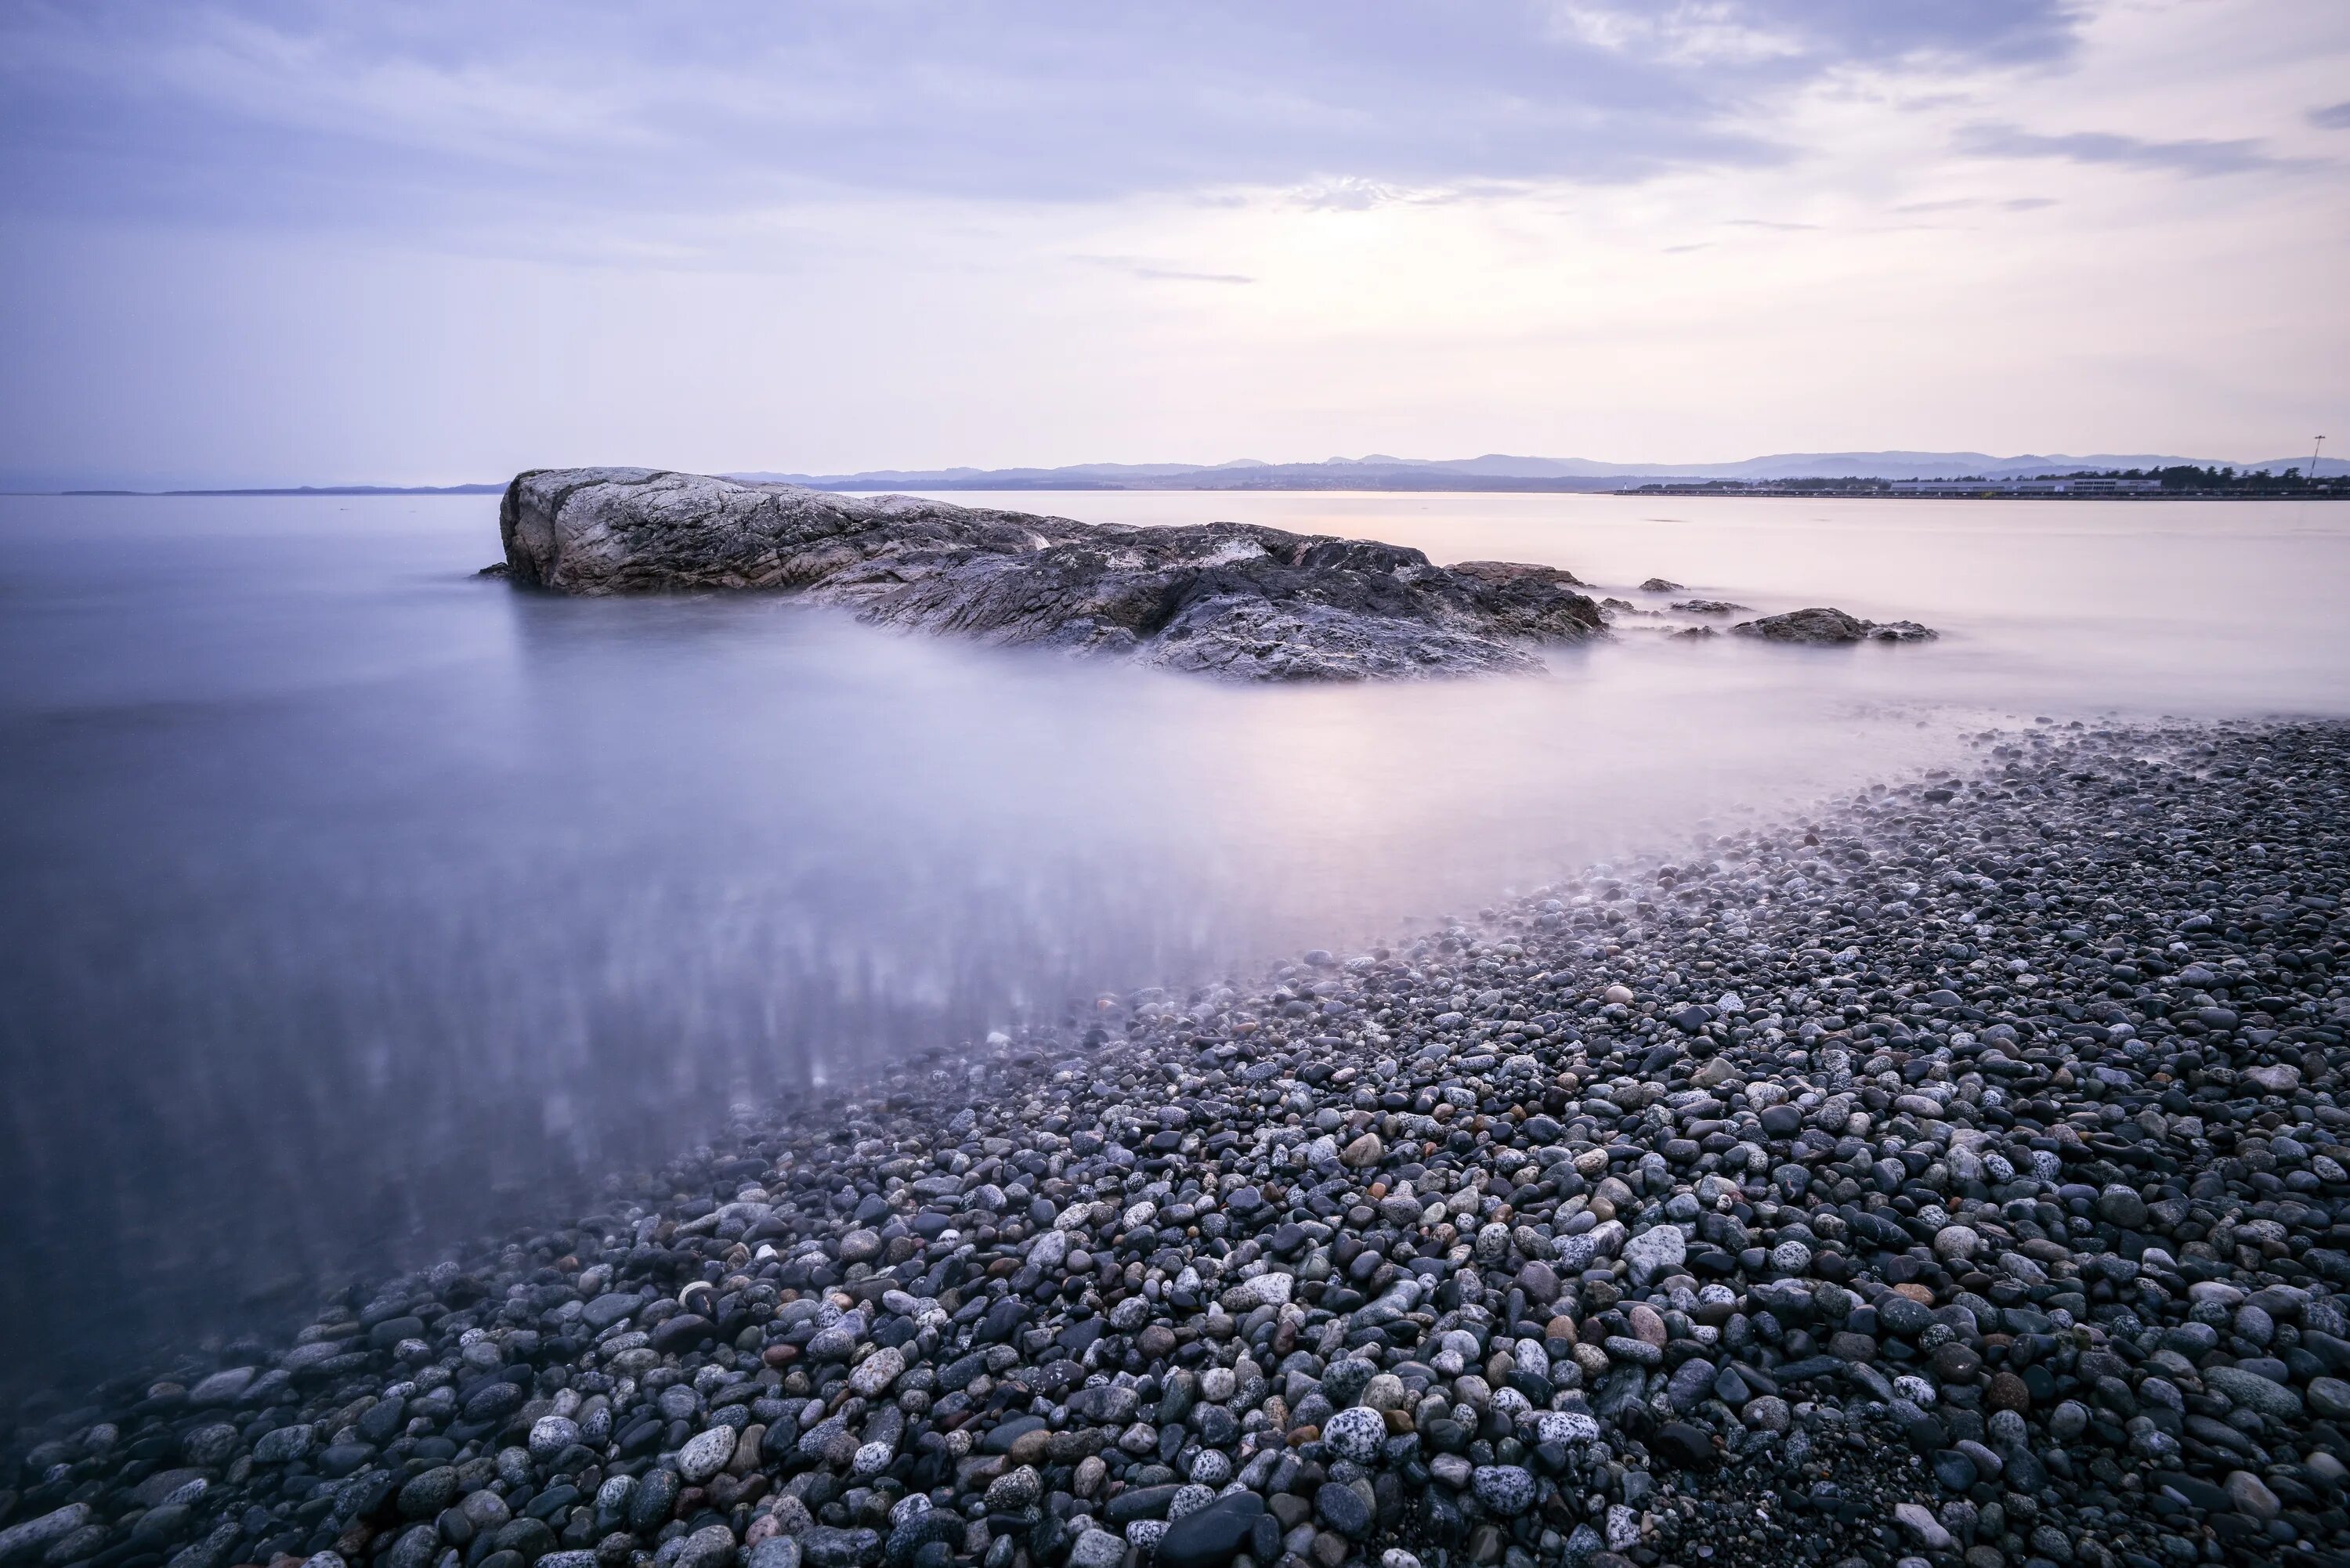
{"x": 1493, "y": 472}
{"x": 1496, "y": 471}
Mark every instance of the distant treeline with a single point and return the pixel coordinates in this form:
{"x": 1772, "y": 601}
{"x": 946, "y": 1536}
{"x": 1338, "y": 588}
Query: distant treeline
{"x": 2185, "y": 476}
{"x": 2181, "y": 479}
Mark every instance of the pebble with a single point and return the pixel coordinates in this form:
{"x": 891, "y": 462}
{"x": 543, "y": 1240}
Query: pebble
{"x": 1356, "y": 1434}
{"x": 1922, "y": 1526}
{"x": 1507, "y": 1490}
{"x": 706, "y": 1454}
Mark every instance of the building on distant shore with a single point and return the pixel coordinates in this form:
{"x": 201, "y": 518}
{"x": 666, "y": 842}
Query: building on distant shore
{"x": 2087, "y": 484}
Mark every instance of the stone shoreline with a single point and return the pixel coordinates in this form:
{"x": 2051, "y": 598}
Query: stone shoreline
{"x": 1956, "y": 1176}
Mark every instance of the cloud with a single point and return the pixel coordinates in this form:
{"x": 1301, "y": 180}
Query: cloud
{"x": 2195, "y": 158}
{"x": 445, "y": 115}
{"x": 1174, "y": 276}
{"x": 1350, "y": 193}
{"x": 1714, "y": 33}
{"x": 1964, "y": 203}
{"x": 2333, "y": 116}
{"x": 1694, "y": 34}
{"x": 1769, "y": 224}
{"x": 1158, "y": 272}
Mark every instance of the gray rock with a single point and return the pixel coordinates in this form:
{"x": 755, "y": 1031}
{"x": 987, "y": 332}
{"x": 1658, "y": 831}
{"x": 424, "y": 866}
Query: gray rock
{"x": 1507, "y": 1490}
{"x": 1189, "y": 1499}
{"x": 607, "y": 1309}
{"x": 211, "y": 1445}
{"x": 775, "y": 1552}
{"x": 829, "y": 1546}
{"x": 876, "y": 1372}
{"x": 1922, "y": 1526}
{"x": 1689, "y": 1384}
{"x": 1357, "y": 1433}
{"x": 2122, "y": 1206}
{"x": 23, "y": 1541}
{"x": 1108, "y": 1403}
{"x": 2329, "y": 1397}
{"x": 2251, "y": 1495}
{"x": 1566, "y": 1427}
{"x": 1221, "y": 598}
{"x": 1342, "y": 1508}
{"x": 222, "y": 1387}
{"x": 550, "y": 1435}
{"x": 418, "y": 1545}
{"x": 1015, "y": 1490}
{"x": 428, "y": 1492}
{"x": 209, "y": 1553}
{"x": 1820, "y": 625}
{"x": 2254, "y": 1392}
{"x": 706, "y": 1453}
{"x": 712, "y": 1546}
{"x": 284, "y": 1444}
{"x": 1655, "y": 1251}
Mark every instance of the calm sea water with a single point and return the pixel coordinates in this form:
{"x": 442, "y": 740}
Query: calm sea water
{"x": 351, "y": 905}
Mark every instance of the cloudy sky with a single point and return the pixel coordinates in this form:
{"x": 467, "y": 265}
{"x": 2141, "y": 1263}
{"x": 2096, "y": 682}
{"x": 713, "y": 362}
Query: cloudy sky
{"x": 309, "y": 242}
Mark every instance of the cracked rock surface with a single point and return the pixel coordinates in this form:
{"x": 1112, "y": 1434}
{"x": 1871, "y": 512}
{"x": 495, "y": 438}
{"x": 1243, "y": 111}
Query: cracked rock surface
{"x": 1957, "y": 1175}
{"x": 1229, "y": 599}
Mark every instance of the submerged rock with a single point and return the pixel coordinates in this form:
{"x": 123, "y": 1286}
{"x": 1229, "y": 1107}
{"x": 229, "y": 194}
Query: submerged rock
{"x": 1222, "y": 598}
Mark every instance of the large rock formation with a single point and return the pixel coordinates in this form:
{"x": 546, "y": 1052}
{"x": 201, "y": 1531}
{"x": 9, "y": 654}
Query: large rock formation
{"x": 1225, "y": 598}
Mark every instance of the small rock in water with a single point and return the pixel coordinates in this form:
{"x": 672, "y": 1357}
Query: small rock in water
{"x": 1823, "y": 625}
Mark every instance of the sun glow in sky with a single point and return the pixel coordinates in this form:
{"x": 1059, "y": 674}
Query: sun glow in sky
{"x": 289, "y": 242}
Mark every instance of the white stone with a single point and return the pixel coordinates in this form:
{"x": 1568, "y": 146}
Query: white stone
{"x": 1654, "y": 1252}
{"x": 1928, "y": 1530}
{"x": 877, "y": 1371}
{"x": 1268, "y": 1289}
{"x": 706, "y": 1453}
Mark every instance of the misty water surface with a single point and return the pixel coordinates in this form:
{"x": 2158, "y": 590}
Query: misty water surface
{"x": 353, "y": 905}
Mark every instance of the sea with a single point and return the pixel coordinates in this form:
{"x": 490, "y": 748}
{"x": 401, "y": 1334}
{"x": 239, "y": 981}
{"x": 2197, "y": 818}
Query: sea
{"x": 354, "y": 906}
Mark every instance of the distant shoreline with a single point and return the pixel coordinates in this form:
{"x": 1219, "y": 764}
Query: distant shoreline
{"x": 295, "y": 490}
{"x": 1984, "y": 494}
{"x": 1452, "y": 487}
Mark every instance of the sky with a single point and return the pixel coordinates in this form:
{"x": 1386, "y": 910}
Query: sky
{"x": 287, "y": 243}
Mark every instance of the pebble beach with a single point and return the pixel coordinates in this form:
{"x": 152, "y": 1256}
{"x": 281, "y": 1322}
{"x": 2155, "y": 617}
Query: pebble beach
{"x": 1955, "y": 1176}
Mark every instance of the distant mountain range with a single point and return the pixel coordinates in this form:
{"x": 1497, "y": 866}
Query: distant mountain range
{"x": 496, "y": 489}
{"x": 1496, "y": 471}
{"x": 1493, "y": 472}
